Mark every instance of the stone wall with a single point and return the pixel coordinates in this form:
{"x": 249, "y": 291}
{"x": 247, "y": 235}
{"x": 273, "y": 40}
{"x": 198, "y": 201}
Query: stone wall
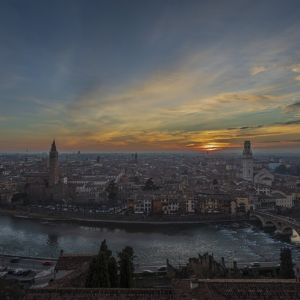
{"x": 37, "y": 212}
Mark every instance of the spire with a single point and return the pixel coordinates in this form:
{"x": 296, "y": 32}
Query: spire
{"x": 53, "y": 146}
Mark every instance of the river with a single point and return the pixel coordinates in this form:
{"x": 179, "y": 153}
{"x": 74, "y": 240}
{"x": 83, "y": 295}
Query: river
{"x": 152, "y": 244}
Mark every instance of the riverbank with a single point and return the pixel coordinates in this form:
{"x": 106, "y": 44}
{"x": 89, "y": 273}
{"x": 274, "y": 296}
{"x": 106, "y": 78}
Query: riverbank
{"x": 55, "y": 215}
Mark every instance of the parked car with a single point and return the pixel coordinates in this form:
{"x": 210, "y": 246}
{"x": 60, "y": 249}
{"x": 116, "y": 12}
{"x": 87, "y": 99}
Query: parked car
{"x": 21, "y": 271}
{"x": 10, "y": 271}
{"x": 26, "y": 272}
{"x": 15, "y": 272}
{"x": 15, "y": 259}
{"x": 47, "y": 263}
{"x": 162, "y": 269}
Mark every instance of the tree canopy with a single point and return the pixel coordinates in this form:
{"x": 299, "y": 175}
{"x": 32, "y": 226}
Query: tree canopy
{"x": 113, "y": 272}
{"x": 286, "y": 264}
{"x": 125, "y": 272}
{"x": 104, "y": 249}
{"x": 20, "y": 197}
{"x": 112, "y": 191}
{"x": 98, "y": 272}
{"x": 130, "y": 252}
{"x": 103, "y": 269}
{"x": 150, "y": 185}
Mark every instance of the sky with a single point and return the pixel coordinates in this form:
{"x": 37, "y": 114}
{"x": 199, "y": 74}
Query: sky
{"x": 148, "y": 76}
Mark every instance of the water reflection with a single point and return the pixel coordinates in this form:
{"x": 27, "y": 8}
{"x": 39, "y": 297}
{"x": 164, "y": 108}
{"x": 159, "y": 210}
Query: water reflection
{"x": 52, "y": 241}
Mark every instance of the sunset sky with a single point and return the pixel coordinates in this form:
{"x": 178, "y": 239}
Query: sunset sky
{"x": 145, "y": 76}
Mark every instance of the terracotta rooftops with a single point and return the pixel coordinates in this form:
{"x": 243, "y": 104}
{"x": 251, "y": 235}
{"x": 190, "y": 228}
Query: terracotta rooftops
{"x": 235, "y": 289}
{"x": 72, "y": 261}
{"x": 95, "y": 294}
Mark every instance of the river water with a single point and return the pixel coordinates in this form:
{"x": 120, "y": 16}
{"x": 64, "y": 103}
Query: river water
{"x": 152, "y": 244}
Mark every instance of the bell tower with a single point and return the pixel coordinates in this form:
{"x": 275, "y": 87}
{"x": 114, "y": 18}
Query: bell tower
{"x": 53, "y": 165}
{"x": 247, "y": 162}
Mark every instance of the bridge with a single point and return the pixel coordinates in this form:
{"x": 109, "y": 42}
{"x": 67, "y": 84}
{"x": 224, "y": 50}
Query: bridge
{"x": 284, "y": 225}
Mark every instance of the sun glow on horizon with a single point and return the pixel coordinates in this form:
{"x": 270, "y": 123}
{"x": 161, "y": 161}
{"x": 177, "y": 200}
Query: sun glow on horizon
{"x": 211, "y": 147}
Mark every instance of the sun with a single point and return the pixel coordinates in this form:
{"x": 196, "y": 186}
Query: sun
{"x": 211, "y": 147}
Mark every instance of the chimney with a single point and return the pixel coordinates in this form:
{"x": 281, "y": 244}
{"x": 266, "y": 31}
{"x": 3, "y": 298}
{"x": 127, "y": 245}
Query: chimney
{"x": 193, "y": 282}
{"x": 61, "y": 252}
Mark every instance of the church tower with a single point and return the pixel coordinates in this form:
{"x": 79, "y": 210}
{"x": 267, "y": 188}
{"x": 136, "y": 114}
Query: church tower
{"x": 247, "y": 162}
{"x": 53, "y": 165}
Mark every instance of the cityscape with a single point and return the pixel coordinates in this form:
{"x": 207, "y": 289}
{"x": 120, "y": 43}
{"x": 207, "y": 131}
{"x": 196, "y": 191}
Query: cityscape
{"x": 149, "y": 150}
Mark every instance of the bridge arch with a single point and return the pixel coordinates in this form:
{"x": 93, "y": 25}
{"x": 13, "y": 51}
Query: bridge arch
{"x": 287, "y": 230}
{"x": 270, "y": 223}
{"x": 266, "y": 222}
{"x": 260, "y": 219}
{"x": 283, "y": 225}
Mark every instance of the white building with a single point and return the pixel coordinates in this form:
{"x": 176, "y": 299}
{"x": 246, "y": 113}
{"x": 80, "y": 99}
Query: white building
{"x": 173, "y": 206}
{"x": 264, "y": 177}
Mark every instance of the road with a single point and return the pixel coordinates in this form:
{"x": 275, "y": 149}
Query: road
{"x": 240, "y": 265}
{"x": 46, "y": 273}
{"x": 25, "y": 263}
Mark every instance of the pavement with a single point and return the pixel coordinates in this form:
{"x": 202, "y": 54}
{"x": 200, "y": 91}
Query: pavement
{"x": 48, "y": 272}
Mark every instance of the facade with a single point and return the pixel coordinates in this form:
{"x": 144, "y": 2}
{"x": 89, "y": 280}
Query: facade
{"x": 53, "y": 165}
{"x": 264, "y": 177}
{"x": 131, "y": 205}
{"x": 242, "y": 203}
{"x": 247, "y": 162}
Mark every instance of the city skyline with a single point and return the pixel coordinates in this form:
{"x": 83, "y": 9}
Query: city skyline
{"x": 164, "y": 76}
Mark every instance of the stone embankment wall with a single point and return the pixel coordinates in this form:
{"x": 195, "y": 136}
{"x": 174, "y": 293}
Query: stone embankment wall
{"x": 35, "y": 212}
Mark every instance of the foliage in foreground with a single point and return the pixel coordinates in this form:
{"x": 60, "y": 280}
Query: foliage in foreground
{"x": 286, "y": 264}
{"x": 103, "y": 269}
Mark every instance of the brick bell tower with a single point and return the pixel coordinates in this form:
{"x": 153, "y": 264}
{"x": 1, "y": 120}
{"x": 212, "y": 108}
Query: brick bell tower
{"x": 247, "y": 162}
{"x": 53, "y": 165}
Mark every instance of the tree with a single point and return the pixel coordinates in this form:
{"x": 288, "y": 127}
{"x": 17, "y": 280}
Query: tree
{"x": 150, "y": 185}
{"x": 281, "y": 169}
{"x": 112, "y": 191}
{"x": 130, "y": 252}
{"x": 20, "y": 197}
{"x": 125, "y": 272}
{"x": 104, "y": 248}
{"x": 113, "y": 272}
{"x": 97, "y": 275}
{"x": 286, "y": 264}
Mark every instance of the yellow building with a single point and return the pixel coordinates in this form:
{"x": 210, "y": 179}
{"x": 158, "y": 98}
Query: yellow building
{"x": 242, "y": 203}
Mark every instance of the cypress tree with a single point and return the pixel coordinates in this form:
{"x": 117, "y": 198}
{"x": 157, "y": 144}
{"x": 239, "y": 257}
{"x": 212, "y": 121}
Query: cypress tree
{"x": 103, "y": 275}
{"x": 125, "y": 272}
{"x": 104, "y": 248}
{"x": 286, "y": 264}
{"x": 92, "y": 279}
{"x": 98, "y": 272}
{"x": 130, "y": 252}
{"x": 113, "y": 272}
